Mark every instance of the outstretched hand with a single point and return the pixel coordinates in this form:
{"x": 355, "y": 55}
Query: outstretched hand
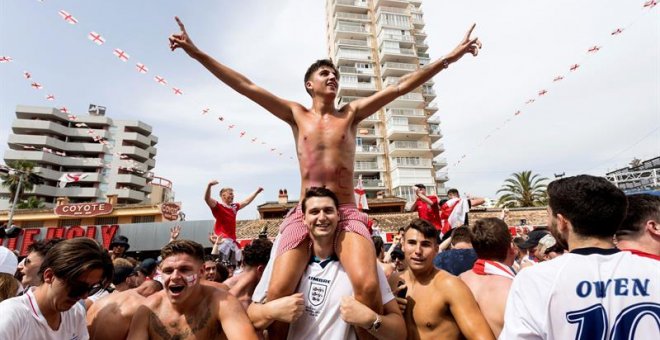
{"x": 174, "y": 232}
{"x": 467, "y": 45}
{"x": 182, "y": 40}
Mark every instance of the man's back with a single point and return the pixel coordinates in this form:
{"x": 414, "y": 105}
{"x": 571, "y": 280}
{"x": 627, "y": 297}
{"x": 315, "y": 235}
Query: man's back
{"x": 491, "y": 292}
{"x": 591, "y": 292}
{"x": 110, "y": 317}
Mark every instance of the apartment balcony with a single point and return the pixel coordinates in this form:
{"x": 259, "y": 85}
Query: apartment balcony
{"x": 406, "y": 40}
{"x": 345, "y": 30}
{"x": 54, "y": 143}
{"x": 346, "y": 16}
{"x": 367, "y": 133}
{"x": 343, "y": 100}
{"x": 41, "y": 157}
{"x": 384, "y": 23}
{"x": 372, "y": 184}
{"x": 359, "y": 43}
{"x": 434, "y": 133}
{"x": 409, "y": 149}
{"x": 437, "y": 149}
{"x": 424, "y": 61}
{"x": 392, "y": 9}
{"x": 403, "y": 162}
{"x": 402, "y": 4}
{"x": 409, "y": 100}
{"x": 391, "y": 81}
{"x": 420, "y": 34}
{"x": 130, "y": 195}
{"x": 423, "y": 55}
{"x": 131, "y": 179}
{"x": 135, "y": 126}
{"x": 353, "y": 54}
{"x": 366, "y": 152}
{"x": 421, "y": 45}
{"x": 413, "y": 115}
{"x": 406, "y": 132}
{"x": 440, "y": 163}
{"x": 428, "y": 93}
{"x": 397, "y": 69}
{"x": 441, "y": 177}
{"x": 394, "y": 54}
{"x": 418, "y": 23}
{"x": 78, "y": 192}
{"x": 356, "y": 88}
{"x": 134, "y": 152}
{"x": 354, "y": 70}
{"x": 351, "y": 6}
{"x": 136, "y": 138}
{"x": 432, "y": 107}
{"x": 365, "y": 166}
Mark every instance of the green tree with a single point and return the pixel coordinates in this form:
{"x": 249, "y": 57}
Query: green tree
{"x": 25, "y": 169}
{"x": 523, "y": 189}
{"x": 31, "y": 202}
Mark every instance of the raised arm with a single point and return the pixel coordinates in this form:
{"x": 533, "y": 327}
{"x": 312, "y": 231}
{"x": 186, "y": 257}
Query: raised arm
{"x": 365, "y": 107}
{"x": 207, "y": 194}
{"x": 250, "y": 198}
{"x": 281, "y": 108}
{"x": 465, "y": 310}
{"x": 423, "y": 197}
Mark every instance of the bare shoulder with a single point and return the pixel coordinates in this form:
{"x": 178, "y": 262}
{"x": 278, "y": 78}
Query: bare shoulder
{"x": 446, "y": 281}
{"x": 214, "y": 284}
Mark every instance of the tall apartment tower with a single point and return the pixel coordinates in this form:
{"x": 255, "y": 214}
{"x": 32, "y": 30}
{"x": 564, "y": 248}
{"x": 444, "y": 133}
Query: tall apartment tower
{"x": 374, "y": 43}
{"x": 115, "y": 156}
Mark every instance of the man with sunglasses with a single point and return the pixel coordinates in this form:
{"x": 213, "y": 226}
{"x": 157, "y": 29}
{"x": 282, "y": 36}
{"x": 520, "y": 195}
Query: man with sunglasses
{"x": 71, "y": 270}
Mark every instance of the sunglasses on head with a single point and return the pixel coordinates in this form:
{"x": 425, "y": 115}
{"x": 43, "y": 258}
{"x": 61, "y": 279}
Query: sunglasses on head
{"x": 78, "y": 289}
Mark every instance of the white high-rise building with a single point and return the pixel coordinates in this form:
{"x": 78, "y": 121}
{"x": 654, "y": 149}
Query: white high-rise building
{"x": 374, "y": 43}
{"x": 115, "y": 156}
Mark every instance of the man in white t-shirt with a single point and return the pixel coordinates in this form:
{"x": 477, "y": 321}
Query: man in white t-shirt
{"x": 324, "y": 306}
{"x": 595, "y": 291}
{"x": 71, "y": 271}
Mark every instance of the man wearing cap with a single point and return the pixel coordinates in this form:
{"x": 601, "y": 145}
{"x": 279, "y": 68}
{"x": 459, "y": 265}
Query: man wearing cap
{"x": 225, "y": 212}
{"x": 427, "y": 206}
{"x": 595, "y": 291}
{"x": 145, "y": 271}
{"x": 531, "y": 243}
{"x": 119, "y": 246}
{"x": 72, "y": 270}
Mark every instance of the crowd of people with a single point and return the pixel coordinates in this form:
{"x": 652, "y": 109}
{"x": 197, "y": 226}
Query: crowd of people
{"x": 326, "y": 277}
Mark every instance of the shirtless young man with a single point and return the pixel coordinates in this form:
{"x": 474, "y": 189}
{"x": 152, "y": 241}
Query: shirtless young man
{"x": 325, "y": 142}
{"x": 110, "y": 317}
{"x": 185, "y": 308}
{"x": 491, "y": 277}
{"x": 439, "y": 305}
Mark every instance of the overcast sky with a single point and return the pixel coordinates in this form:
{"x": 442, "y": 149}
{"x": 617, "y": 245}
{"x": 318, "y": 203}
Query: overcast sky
{"x": 596, "y": 119}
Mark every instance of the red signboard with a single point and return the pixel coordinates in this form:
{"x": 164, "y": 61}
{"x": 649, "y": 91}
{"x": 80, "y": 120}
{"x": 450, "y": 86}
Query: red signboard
{"x": 83, "y": 209}
{"x": 170, "y": 210}
{"x": 29, "y": 235}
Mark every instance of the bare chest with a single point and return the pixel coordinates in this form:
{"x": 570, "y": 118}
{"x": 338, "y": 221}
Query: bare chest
{"x": 429, "y": 312}
{"x": 171, "y": 326}
{"x": 326, "y": 132}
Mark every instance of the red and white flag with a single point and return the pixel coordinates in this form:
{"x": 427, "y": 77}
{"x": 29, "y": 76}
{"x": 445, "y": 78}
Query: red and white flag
{"x": 36, "y": 86}
{"x": 488, "y": 267}
{"x": 71, "y": 177}
{"x": 50, "y": 97}
{"x": 360, "y": 195}
{"x": 96, "y": 38}
{"x": 160, "y": 80}
{"x": 141, "y": 68}
{"x": 123, "y": 56}
{"x": 68, "y": 17}
{"x": 27, "y": 75}
{"x": 5, "y": 59}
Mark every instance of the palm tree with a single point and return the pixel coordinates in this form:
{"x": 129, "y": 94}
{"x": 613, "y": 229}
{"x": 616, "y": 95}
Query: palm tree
{"x": 25, "y": 169}
{"x": 523, "y": 189}
{"x": 31, "y": 202}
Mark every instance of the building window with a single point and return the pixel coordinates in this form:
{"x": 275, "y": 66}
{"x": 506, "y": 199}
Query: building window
{"x": 144, "y": 219}
{"x": 32, "y": 224}
{"x": 106, "y": 220}
{"x": 69, "y": 223}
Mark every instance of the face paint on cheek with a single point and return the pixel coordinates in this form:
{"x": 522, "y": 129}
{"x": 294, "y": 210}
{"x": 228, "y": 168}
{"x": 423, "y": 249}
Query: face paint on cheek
{"x": 191, "y": 279}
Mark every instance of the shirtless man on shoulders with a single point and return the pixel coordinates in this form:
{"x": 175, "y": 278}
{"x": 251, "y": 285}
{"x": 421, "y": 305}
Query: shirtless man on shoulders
{"x": 325, "y": 138}
{"x": 185, "y": 308}
{"x": 439, "y": 305}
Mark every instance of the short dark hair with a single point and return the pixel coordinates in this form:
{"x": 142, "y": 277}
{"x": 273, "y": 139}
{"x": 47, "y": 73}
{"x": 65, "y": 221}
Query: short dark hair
{"x": 221, "y": 272}
{"x": 460, "y": 234}
{"x": 594, "y": 206}
{"x": 641, "y": 208}
{"x": 317, "y": 65}
{"x": 42, "y": 247}
{"x": 69, "y": 259}
{"x": 425, "y": 227}
{"x": 319, "y": 192}
{"x": 188, "y": 247}
{"x": 421, "y": 186}
{"x": 491, "y": 239}
{"x": 453, "y": 191}
{"x": 378, "y": 243}
{"x": 257, "y": 252}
